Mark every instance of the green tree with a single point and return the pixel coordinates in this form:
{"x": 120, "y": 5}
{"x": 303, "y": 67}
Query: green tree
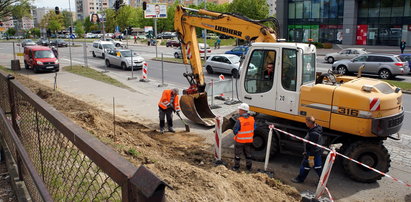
{"x": 127, "y": 16}
{"x": 66, "y": 18}
{"x": 11, "y": 31}
{"x": 15, "y": 8}
{"x": 89, "y": 26}
{"x": 111, "y": 20}
{"x": 52, "y": 21}
{"x": 79, "y": 28}
{"x": 35, "y": 32}
{"x": 254, "y": 9}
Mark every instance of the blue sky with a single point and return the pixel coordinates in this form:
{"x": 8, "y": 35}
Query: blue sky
{"x": 62, "y": 4}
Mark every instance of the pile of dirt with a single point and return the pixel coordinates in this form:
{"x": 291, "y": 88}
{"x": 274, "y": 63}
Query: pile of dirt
{"x": 181, "y": 159}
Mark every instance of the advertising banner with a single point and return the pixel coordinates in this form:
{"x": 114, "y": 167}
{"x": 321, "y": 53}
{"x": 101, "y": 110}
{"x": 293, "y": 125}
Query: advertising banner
{"x": 156, "y": 10}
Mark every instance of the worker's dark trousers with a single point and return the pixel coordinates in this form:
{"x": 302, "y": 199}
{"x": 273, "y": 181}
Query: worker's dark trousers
{"x": 239, "y": 150}
{"x": 305, "y": 167}
{"x": 165, "y": 113}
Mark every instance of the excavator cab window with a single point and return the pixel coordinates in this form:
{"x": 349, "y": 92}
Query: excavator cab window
{"x": 259, "y": 77}
{"x": 308, "y": 68}
{"x": 289, "y": 69}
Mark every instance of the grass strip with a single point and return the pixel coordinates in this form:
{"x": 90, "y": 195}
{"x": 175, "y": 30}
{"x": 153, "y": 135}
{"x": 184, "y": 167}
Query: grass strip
{"x": 5, "y": 69}
{"x": 93, "y": 74}
{"x": 401, "y": 84}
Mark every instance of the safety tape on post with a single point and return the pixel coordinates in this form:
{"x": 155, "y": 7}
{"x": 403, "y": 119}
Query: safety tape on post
{"x": 346, "y": 157}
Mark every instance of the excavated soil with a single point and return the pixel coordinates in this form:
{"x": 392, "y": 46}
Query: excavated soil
{"x": 181, "y": 159}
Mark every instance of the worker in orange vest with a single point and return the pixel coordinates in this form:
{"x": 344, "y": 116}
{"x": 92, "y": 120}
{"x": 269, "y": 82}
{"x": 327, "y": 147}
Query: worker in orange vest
{"x": 243, "y": 136}
{"x": 168, "y": 104}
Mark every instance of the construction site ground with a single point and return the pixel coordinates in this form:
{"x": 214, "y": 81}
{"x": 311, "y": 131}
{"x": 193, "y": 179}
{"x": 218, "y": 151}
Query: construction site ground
{"x": 185, "y": 160}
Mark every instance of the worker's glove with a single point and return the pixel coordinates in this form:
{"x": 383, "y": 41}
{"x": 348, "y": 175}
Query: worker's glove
{"x": 311, "y": 161}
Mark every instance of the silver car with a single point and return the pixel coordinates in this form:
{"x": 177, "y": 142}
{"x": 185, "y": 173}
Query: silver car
{"x": 386, "y": 66}
{"x": 223, "y": 63}
{"x": 347, "y": 53}
{"x": 122, "y": 58}
{"x": 27, "y": 42}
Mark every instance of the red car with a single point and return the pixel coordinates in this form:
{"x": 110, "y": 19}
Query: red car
{"x": 173, "y": 43}
{"x": 40, "y": 58}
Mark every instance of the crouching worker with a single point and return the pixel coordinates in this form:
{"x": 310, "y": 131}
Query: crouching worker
{"x": 312, "y": 154}
{"x": 168, "y": 104}
{"x": 243, "y": 136}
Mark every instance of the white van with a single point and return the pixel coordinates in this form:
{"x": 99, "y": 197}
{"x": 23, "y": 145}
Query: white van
{"x": 100, "y": 48}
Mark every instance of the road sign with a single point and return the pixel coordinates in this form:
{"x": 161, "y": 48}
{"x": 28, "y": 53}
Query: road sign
{"x": 20, "y": 54}
{"x": 72, "y": 36}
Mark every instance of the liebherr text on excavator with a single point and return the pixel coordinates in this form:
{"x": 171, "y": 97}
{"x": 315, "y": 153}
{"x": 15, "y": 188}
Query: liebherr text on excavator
{"x": 359, "y": 113}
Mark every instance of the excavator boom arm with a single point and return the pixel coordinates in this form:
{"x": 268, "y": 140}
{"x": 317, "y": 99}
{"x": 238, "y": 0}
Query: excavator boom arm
{"x": 194, "y": 101}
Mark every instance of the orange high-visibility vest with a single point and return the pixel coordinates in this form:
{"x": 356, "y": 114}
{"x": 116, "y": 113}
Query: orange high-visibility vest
{"x": 166, "y": 99}
{"x": 246, "y": 132}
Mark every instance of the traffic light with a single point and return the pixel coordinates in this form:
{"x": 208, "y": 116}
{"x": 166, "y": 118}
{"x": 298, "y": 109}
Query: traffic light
{"x": 144, "y": 5}
{"x": 57, "y": 10}
{"x": 1, "y": 24}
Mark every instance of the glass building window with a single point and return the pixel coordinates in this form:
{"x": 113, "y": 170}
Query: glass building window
{"x": 291, "y": 11}
{"x": 398, "y": 8}
{"x": 325, "y": 8}
{"x": 385, "y": 10}
{"x": 299, "y": 10}
{"x": 363, "y": 9}
{"x": 315, "y": 6}
{"x": 374, "y": 9}
{"x": 407, "y": 8}
{"x": 333, "y": 9}
{"x": 307, "y": 9}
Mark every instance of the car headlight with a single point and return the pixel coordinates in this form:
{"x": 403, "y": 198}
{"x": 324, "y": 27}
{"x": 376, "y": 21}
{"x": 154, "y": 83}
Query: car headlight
{"x": 57, "y": 61}
{"x": 39, "y": 63}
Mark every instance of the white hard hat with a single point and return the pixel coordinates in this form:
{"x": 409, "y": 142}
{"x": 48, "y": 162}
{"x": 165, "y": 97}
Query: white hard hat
{"x": 244, "y": 106}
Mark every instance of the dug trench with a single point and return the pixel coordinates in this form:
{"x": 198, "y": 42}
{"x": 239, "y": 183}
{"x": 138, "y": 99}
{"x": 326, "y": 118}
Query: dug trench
{"x": 182, "y": 159}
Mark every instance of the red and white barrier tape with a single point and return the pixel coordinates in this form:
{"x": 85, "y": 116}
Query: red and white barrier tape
{"x": 346, "y": 157}
{"x": 217, "y": 131}
{"x": 329, "y": 194}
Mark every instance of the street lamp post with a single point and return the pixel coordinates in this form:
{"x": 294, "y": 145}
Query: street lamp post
{"x": 72, "y": 42}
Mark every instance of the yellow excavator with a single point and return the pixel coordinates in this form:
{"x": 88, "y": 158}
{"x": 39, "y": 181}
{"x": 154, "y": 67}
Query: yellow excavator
{"x": 355, "y": 112}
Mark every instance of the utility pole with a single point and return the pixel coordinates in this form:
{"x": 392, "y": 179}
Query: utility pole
{"x": 71, "y": 22}
{"x": 205, "y": 36}
{"x": 102, "y": 16}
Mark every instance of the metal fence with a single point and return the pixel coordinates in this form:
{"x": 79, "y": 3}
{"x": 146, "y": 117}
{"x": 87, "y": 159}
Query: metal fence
{"x": 60, "y": 161}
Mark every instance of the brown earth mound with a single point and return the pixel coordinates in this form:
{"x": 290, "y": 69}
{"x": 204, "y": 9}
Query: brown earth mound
{"x": 180, "y": 159}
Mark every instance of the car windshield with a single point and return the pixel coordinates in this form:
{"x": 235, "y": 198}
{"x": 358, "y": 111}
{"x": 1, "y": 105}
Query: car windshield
{"x": 28, "y": 40}
{"x": 234, "y": 59}
{"x": 108, "y": 46}
{"x": 128, "y": 53}
{"x": 43, "y": 54}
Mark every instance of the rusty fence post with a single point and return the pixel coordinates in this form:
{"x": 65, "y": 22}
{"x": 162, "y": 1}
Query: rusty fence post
{"x": 144, "y": 186}
{"x": 13, "y": 111}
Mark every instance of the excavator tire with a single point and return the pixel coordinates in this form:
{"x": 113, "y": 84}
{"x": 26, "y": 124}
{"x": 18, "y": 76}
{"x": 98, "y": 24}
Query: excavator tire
{"x": 259, "y": 147}
{"x": 373, "y": 154}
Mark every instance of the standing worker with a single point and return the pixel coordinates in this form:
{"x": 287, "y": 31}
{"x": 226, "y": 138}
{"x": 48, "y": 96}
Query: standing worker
{"x": 135, "y": 39}
{"x": 168, "y": 104}
{"x": 243, "y": 136}
{"x": 402, "y": 46}
{"x": 312, "y": 154}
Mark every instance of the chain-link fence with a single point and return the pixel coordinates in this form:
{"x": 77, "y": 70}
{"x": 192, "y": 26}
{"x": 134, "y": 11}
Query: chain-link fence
{"x": 72, "y": 164}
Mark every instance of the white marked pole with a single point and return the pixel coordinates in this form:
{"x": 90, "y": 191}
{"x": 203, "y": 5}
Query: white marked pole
{"x": 267, "y": 153}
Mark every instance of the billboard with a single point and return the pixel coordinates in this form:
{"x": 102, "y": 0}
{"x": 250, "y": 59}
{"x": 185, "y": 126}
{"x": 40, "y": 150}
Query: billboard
{"x": 96, "y": 18}
{"x": 156, "y": 10}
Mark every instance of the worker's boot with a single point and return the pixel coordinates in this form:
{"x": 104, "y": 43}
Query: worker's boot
{"x": 162, "y": 123}
{"x": 170, "y": 129}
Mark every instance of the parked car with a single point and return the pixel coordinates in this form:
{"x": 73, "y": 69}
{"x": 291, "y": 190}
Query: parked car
{"x": 239, "y": 50}
{"x": 90, "y": 35}
{"x": 43, "y": 42}
{"x": 223, "y": 63}
{"x": 223, "y": 36}
{"x": 165, "y": 35}
{"x": 27, "y": 42}
{"x": 40, "y": 58}
{"x": 141, "y": 36}
{"x": 59, "y": 43}
{"x": 116, "y": 43}
{"x": 178, "y": 54}
{"x": 173, "y": 43}
{"x": 348, "y": 53}
{"x": 386, "y": 66}
{"x": 100, "y": 48}
{"x": 122, "y": 58}
{"x": 406, "y": 57}
{"x": 212, "y": 36}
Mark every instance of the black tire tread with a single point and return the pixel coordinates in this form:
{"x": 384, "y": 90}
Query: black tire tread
{"x": 351, "y": 150}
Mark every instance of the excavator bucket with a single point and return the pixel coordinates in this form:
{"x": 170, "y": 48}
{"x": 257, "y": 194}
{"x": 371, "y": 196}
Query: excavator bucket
{"x": 195, "y": 107}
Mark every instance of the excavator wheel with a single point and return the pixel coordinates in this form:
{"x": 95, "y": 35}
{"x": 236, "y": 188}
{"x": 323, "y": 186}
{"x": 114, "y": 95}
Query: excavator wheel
{"x": 259, "y": 147}
{"x": 373, "y": 154}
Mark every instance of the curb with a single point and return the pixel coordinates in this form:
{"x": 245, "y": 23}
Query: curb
{"x": 406, "y": 92}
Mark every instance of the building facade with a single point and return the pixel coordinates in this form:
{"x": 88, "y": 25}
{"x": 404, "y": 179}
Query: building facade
{"x": 86, "y": 7}
{"x": 359, "y": 22}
